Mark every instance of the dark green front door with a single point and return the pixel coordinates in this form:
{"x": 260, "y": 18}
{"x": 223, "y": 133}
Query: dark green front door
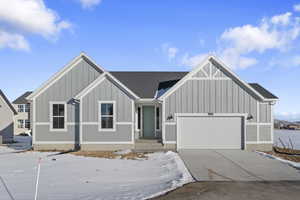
{"x": 148, "y": 122}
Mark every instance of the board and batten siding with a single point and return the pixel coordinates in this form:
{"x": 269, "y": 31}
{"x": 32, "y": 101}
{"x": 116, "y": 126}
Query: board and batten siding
{"x": 6, "y": 122}
{"x": 107, "y": 91}
{"x": 64, "y": 89}
{"x": 220, "y": 94}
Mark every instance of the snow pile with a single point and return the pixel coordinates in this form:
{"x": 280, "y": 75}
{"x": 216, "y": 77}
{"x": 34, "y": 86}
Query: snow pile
{"x": 70, "y": 177}
{"x": 291, "y": 163}
{"x": 123, "y": 152}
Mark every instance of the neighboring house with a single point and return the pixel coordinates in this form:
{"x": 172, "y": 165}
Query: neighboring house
{"x": 85, "y": 106}
{"x": 22, "y": 119}
{"x": 7, "y": 113}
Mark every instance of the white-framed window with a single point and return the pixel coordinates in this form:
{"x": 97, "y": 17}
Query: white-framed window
{"x": 27, "y": 124}
{"x": 21, "y": 108}
{"x": 58, "y": 116}
{"x": 157, "y": 118}
{"x": 20, "y": 123}
{"x": 27, "y": 107}
{"x": 107, "y": 115}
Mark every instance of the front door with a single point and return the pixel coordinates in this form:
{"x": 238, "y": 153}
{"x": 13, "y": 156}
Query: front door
{"x": 148, "y": 122}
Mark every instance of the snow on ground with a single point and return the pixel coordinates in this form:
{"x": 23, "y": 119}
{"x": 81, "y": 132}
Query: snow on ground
{"x": 70, "y": 177}
{"x": 284, "y": 135}
{"x": 291, "y": 163}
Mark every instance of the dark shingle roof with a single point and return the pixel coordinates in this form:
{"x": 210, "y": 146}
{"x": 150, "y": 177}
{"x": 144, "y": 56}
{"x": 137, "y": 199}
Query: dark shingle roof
{"x": 22, "y": 98}
{"x": 163, "y": 87}
{"x": 145, "y": 84}
{"x": 7, "y": 102}
{"x": 264, "y": 92}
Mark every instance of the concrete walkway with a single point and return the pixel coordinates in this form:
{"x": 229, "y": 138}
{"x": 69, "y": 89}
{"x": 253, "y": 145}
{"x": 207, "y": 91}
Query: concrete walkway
{"x": 235, "y": 165}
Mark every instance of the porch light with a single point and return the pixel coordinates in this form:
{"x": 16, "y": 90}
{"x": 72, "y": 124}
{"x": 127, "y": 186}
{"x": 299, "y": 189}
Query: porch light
{"x": 170, "y": 117}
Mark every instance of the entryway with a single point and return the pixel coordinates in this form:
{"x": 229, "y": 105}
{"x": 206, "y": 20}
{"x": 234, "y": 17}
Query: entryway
{"x": 148, "y": 122}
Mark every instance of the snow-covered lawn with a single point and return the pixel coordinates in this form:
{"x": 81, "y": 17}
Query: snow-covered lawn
{"x": 291, "y": 163}
{"x": 285, "y": 136}
{"x": 70, "y": 177}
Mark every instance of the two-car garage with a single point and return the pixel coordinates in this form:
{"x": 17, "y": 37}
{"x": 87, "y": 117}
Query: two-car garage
{"x": 196, "y": 131}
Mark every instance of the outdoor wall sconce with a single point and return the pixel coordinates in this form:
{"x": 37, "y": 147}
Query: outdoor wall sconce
{"x": 170, "y": 117}
{"x": 249, "y": 117}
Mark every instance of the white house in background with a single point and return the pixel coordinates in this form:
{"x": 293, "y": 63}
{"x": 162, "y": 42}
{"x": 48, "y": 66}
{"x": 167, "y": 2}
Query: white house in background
{"x": 22, "y": 119}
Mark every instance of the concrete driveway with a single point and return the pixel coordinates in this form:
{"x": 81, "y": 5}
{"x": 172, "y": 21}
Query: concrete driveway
{"x": 235, "y": 165}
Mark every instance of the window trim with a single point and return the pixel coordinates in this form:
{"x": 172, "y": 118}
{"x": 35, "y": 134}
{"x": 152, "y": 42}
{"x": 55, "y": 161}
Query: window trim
{"x": 22, "y": 123}
{"x": 100, "y": 116}
{"x": 23, "y": 108}
{"x": 51, "y": 116}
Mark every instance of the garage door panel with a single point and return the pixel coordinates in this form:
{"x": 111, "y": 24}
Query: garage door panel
{"x": 195, "y": 132}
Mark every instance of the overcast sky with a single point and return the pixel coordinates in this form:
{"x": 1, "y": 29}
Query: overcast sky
{"x": 258, "y": 39}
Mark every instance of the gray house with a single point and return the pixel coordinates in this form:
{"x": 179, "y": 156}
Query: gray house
{"x": 7, "y": 113}
{"x": 85, "y": 106}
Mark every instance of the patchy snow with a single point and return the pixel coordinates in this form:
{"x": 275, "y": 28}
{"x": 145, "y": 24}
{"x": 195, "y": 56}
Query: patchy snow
{"x": 286, "y": 136}
{"x": 123, "y": 152}
{"x": 291, "y": 163}
{"x": 70, "y": 177}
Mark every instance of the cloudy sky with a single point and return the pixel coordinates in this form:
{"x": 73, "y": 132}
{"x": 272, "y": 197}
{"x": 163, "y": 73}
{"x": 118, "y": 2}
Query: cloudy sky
{"x": 259, "y": 40}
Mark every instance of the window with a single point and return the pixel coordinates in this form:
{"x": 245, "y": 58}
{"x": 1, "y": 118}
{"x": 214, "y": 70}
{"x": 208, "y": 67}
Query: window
{"x": 157, "y": 119}
{"x": 58, "y": 118}
{"x": 27, "y": 107}
{"x": 20, "y": 123}
{"x": 139, "y": 118}
{"x": 107, "y": 115}
{"x": 27, "y": 124}
{"x": 21, "y": 108}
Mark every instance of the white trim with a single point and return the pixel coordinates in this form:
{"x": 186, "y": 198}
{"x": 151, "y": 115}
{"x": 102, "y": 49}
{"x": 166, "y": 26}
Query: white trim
{"x": 242, "y": 115}
{"x": 260, "y": 142}
{"x": 42, "y": 123}
{"x": 170, "y": 123}
{"x": 132, "y": 123}
{"x": 257, "y": 119}
{"x": 90, "y": 87}
{"x": 33, "y": 123}
{"x": 170, "y": 142}
{"x": 54, "y": 142}
{"x": 196, "y": 69}
{"x": 272, "y": 123}
{"x": 163, "y": 122}
{"x": 206, "y": 78}
{"x": 61, "y": 73}
{"x": 124, "y": 123}
{"x": 80, "y": 122}
{"x": 125, "y": 142}
{"x": 262, "y": 124}
{"x": 51, "y": 129}
{"x": 100, "y": 116}
{"x": 90, "y": 123}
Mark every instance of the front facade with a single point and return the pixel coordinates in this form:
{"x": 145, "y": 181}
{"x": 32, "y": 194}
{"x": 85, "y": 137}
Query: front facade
{"x": 7, "y": 113}
{"x": 84, "y": 106}
{"x": 22, "y": 119}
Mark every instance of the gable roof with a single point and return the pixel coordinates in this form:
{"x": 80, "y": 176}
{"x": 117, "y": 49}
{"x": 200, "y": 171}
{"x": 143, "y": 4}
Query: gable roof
{"x": 22, "y": 99}
{"x": 216, "y": 61}
{"x": 7, "y": 102}
{"x": 264, "y": 92}
{"x": 146, "y": 84}
{"x": 63, "y": 71}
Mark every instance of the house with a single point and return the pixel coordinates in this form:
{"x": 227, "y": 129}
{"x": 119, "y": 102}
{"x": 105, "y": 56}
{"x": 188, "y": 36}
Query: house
{"x": 87, "y": 107}
{"x": 22, "y": 119}
{"x": 7, "y": 113}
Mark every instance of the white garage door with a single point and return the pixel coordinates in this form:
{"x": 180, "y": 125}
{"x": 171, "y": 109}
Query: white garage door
{"x": 209, "y": 132}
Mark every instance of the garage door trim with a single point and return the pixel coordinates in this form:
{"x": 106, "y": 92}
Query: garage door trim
{"x": 242, "y": 115}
